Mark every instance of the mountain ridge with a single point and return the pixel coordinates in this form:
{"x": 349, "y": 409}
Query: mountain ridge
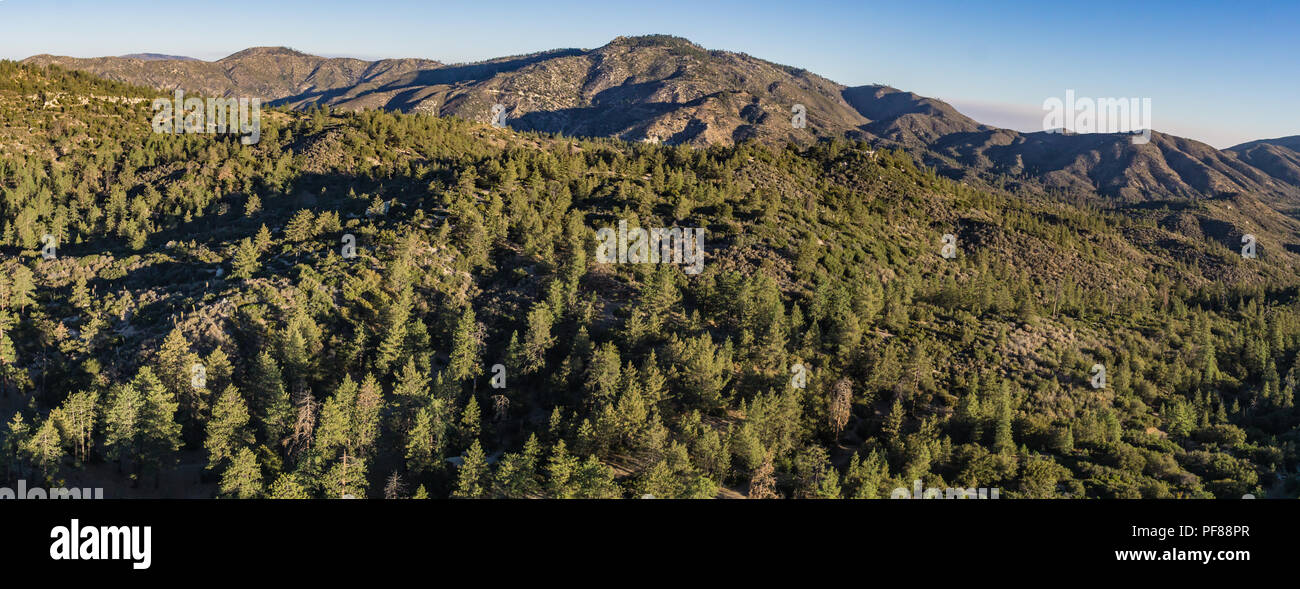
{"x": 666, "y": 89}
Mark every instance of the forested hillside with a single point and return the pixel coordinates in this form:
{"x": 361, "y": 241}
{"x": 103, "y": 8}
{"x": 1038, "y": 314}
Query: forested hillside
{"x": 204, "y": 329}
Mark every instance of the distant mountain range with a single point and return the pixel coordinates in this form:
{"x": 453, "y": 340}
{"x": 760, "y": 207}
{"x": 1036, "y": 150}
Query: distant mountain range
{"x": 670, "y": 90}
{"x": 265, "y": 72}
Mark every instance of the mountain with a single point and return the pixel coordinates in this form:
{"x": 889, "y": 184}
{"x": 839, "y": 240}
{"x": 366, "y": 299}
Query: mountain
{"x": 1292, "y": 143}
{"x": 1279, "y": 158}
{"x": 351, "y": 284}
{"x": 1166, "y": 167}
{"x": 655, "y": 88}
{"x": 660, "y": 88}
{"x": 263, "y": 72}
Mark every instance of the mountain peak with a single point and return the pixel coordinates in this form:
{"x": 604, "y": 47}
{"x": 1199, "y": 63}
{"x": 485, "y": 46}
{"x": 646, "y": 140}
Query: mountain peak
{"x": 656, "y": 40}
{"x": 270, "y": 51}
{"x": 1292, "y": 142}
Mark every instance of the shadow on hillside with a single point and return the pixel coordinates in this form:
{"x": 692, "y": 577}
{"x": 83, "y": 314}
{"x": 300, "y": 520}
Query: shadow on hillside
{"x": 592, "y": 121}
{"x": 218, "y": 232}
{"x": 454, "y": 74}
{"x": 619, "y": 111}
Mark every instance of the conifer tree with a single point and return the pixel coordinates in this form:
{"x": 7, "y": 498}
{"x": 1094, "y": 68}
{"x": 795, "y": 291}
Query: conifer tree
{"x": 538, "y": 338}
{"x": 273, "y": 406}
{"x": 424, "y": 445}
{"x": 161, "y": 433}
{"x": 287, "y": 487}
{"x": 228, "y": 430}
{"x": 44, "y": 449}
{"x": 243, "y": 478}
{"x": 472, "y": 481}
{"x": 122, "y": 423}
{"x": 77, "y": 418}
{"x": 245, "y": 263}
{"x": 560, "y": 469}
{"x": 465, "y": 348}
{"x": 470, "y": 422}
{"x": 15, "y": 439}
{"x": 1002, "y": 438}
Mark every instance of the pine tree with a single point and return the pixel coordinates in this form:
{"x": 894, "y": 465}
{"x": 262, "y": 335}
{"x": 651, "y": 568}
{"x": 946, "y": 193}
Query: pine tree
{"x": 45, "y": 449}
{"x": 893, "y": 425}
{"x": 560, "y": 469}
{"x": 424, "y": 445}
{"x": 301, "y": 227}
{"x": 77, "y": 417}
{"x": 969, "y": 413}
{"x": 865, "y": 477}
{"x": 1003, "y": 442}
{"x": 346, "y": 477}
{"x": 705, "y": 369}
{"x": 653, "y": 383}
{"x": 470, "y": 423}
{"x": 245, "y": 263}
{"x": 516, "y": 357}
{"x": 175, "y": 370}
{"x": 366, "y": 414}
{"x": 1209, "y": 364}
{"x": 516, "y": 476}
{"x": 472, "y": 481}
{"x": 161, "y": 433}
{"x": 537, "y": 339}
{"x": 262, "y": 242}
{"x": 412, "y": 389}
{"x": 219, "y": 373}
{"x": 274, "y": 409}
{"x": 604, "y": 373}
{"x": 288, "y": 487}
{"x": 396, "y": 316}
{"x": 23, "y": 286}
{"x": 817, "y": 478}
{"x": 465, "y": 348}
{"x": 253, "y": 206}
{"x": 228, "y": 430}
{"x": 15, "y": 439}
{"x": 595, "y": 480}
{"x": 243, "y": 478}
{"x": 122, "y": 423}
{"x": 335, "y": 428}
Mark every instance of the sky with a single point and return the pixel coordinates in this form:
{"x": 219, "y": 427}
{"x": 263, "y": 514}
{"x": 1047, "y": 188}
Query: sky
{"x": 1218, "y": 72}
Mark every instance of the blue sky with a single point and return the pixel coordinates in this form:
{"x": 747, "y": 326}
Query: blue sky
{"x": 1220, "y": 72}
